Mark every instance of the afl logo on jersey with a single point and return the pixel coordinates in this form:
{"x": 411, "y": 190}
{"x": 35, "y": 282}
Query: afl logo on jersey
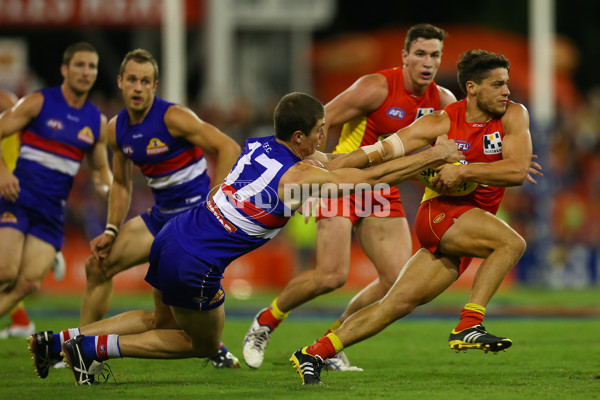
{"x": 55, "y": 124}
{"x": 396, "y": 113}
{"x": 127, "y": 150}
{"x": 462, "y": 145}
{"x": 156, "y": 147}
{"x": 86, "y": 135}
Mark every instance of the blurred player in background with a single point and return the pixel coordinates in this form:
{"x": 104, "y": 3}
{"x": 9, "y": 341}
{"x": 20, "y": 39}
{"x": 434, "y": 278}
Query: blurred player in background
{"x": 167, "y": 141}
{"x": 190, "y": 254}
{"x": 494, "y": 136}
{"x": 58, "y": 127}
{"x": 375, "y": 106}
{"x": 21, "y": 326}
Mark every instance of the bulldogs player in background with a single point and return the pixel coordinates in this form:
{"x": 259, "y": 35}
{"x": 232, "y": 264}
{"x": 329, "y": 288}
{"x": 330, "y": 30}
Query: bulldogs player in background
{"x": 59, "y": 126}
{"x": 167, "y": 142}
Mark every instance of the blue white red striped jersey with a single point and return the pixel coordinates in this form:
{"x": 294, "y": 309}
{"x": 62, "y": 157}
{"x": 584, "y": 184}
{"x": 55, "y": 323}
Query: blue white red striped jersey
{"x": 246, "y": 211}
{"x": 52, "y": 147}
{"x": 175, "y": 169}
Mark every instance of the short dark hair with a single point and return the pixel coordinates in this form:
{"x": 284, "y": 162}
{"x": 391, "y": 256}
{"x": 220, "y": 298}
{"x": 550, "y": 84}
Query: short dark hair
{"x": 76, "y": 47}
{"x": 140, "y": 56}
{"x": 475, "y": 65}
{"x": 296, "y": 112}
{"x": 425, "y": 31}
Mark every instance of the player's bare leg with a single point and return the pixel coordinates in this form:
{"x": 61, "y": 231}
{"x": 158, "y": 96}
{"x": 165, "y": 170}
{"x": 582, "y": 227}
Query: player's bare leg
{"x": 480, "y": 234}
{"x": 131, "y": 248}
{"x": 333, "y": 264}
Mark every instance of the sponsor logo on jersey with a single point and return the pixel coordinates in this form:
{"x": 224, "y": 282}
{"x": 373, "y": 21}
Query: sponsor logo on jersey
{"x": 396, "y": 113}
{"x": 462, "y": 145}
{"x": 72, "y": 118}
{"x": 479, "y": 125}
{"x": 438, "y": 218}
{"x": 8, "y": 218}
{"x": 217, "y": 297}
{"x": 423, "y": 111}
{"x": 86, "y": 135}
{"x": 229, "y": 227}
{"x": 55, "y": 124}
{"x": 492, "y": 143}
{"x": 156, "y": 146}
{"x": 127, "y": 150}
{"x": 137, "y": 135}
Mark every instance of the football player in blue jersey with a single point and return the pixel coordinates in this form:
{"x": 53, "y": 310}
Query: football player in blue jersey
{"x": 58, "y": 127}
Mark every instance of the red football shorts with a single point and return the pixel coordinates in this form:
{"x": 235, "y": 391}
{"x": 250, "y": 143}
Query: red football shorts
{"x": 379, "y": 203}
{"x": 435, "y": 217}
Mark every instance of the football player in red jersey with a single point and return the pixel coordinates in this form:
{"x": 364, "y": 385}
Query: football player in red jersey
{"x": 452, "y": 229}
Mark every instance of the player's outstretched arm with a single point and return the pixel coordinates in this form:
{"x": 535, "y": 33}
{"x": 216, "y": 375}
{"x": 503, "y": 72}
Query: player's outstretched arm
{"x": 119, "y": 197}
{"x": 312, "y": 181}
{"x": 98, "y": 162}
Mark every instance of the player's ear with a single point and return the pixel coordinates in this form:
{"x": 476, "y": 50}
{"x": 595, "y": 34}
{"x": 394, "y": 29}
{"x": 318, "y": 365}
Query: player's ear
{"x": 297, "y": 137}
{"x": 471, "y": 87}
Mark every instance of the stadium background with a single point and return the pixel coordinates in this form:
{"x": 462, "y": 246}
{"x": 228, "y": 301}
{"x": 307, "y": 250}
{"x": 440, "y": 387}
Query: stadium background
{"x": 322, "y": 52}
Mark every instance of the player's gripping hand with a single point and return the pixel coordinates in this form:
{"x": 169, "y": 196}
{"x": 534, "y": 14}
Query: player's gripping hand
{"x": 9, "y": 185}
{"x": 535, "y": 169}
{"x": 448, "y": 150}
{"x": 102, "y": 245}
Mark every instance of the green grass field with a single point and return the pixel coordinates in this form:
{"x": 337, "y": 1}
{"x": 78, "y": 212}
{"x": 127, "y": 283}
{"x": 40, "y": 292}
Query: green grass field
{"x": 556, "y": 355}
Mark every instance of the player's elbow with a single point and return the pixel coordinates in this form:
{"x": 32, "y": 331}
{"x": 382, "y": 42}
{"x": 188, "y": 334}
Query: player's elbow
{"x": 231, "y": 147}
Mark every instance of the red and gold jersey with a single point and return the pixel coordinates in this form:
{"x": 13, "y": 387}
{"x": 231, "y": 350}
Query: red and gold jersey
{"x": 400, "y": 109}
{"x": 481, "y": 142}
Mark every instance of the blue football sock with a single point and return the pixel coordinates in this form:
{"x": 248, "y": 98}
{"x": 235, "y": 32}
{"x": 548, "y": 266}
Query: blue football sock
{"x": 89, "y": 347}
{"x": 56, "y": 347}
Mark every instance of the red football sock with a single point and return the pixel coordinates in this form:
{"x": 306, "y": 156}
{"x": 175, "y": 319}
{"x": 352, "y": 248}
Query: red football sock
{"x": 267, "y": 318}
{"x": 468, "y": 319}
{"x": 19, "y": 316}
{"x": 323, "y": 348}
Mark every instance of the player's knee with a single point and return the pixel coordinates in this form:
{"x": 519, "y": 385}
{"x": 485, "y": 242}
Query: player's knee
{"x": 331, "y": 281}
{"x": 516, "y": 245}
{"x": 161, "y": 321}
{"x": 94, "y": 271}
{"x": 25, "y": 287}
{"x": 8, "y": 273}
